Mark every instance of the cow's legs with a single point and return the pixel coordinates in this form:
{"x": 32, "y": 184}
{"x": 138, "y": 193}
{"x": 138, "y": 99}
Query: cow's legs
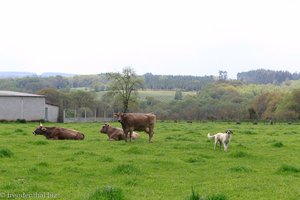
{"x": 126, "y": 134}
{"x": 130, "y": 135}
{"x": 150, "y": 134}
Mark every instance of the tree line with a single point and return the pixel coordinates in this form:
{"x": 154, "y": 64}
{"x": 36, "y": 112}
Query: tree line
{"x": 226, "y": 100}
{"x": 214, "y": 99}
{"x": 100, "y": 82}
{"x": 262, "y": 76}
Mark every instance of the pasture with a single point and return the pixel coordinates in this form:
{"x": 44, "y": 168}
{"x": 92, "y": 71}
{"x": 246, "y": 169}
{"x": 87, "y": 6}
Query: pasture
{"x": 262, "y": 162}
{"x": 162, "y": 95}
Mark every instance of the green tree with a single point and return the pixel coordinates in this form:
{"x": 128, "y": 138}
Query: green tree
{"x": 81, "y": 99}
{"x": 52, "y": 95}
{"x": 125, "y": 86}
{"x": 178, "y": 95}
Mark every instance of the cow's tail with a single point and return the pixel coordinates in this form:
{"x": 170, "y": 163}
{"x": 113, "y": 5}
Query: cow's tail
{"x": 210, "y": 136}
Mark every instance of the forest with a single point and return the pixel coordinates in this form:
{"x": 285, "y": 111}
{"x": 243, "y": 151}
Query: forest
{"x": 253, "y": 96}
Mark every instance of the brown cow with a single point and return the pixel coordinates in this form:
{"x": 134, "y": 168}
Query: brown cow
{"x": 114, "y": 133}
{"x": 57, "y": 133}
{"x": 137, "y": 122}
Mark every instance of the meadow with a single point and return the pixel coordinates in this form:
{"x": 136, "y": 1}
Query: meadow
{"x": 162, "y": 95}
{"x": 262, "y": 162}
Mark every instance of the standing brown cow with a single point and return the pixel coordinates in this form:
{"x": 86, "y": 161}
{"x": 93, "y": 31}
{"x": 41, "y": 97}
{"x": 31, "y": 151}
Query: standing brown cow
{"x": 57, "y": 133}
{"x": 115, "y": 133}
{"x": 137, "y": 122}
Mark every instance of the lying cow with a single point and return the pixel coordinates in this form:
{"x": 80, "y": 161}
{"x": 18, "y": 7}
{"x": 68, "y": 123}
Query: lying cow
{"x": 114, "y": 133}
{"x": 137, "y": 122}
{"x": 57, "y": 133}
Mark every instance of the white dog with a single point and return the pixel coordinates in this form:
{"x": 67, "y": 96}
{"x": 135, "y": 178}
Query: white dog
{"x": 222, "y": 138}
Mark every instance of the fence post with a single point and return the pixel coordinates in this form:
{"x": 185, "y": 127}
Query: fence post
{"x": 64, "y": 115}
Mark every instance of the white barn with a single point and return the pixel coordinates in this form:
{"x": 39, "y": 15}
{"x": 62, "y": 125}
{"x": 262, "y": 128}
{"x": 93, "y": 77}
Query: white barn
{"x": 31, "y": 107}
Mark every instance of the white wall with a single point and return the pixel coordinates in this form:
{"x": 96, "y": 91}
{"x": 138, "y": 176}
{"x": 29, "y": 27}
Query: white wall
{"x": 29, "y": 108}
{"x": 52, "y": 113}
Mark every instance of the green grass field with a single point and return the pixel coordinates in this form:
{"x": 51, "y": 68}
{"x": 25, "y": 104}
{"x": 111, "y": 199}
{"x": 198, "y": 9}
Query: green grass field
{"x": 262, "y": 162}
{"x": 162, "y": 95}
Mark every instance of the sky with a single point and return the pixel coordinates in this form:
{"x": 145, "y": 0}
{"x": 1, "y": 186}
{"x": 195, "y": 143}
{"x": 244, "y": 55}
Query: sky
{"x": 166, "y": 37}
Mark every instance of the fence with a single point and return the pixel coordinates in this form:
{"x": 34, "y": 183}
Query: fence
{"x": 86, "y": 115}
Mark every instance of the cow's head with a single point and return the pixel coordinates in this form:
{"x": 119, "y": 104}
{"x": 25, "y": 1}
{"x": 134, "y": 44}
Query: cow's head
{"x": 104, "y": 128}
{"x": 229, "y": 131}
{"x": 120, "y": 116}
{"x": 40, "y": 130}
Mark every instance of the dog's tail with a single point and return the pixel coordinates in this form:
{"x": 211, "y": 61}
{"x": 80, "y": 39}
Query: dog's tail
{"x": 210, "y": 136}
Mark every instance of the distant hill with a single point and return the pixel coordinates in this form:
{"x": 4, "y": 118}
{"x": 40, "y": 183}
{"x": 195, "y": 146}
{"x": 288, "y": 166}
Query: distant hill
{"x": 48, "y": 74}
{"x": 16, "y": 74}
{"x": 31, "y": 74}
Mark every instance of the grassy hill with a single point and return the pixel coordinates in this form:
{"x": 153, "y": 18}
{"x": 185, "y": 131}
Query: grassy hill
{"x": 261, "y": 163}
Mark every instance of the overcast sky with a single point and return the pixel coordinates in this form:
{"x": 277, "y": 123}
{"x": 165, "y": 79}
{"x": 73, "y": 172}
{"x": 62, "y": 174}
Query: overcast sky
{"x": 158, "y": 36}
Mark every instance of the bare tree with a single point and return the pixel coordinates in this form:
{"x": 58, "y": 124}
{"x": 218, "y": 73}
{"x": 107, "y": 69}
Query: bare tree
{"x": 125, "y": 85}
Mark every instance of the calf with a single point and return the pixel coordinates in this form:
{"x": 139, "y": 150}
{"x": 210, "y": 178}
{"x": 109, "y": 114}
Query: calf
{"x": 57, "y": 133}
{"x": 137, "y": 122}
{"x": 115, "y": 133}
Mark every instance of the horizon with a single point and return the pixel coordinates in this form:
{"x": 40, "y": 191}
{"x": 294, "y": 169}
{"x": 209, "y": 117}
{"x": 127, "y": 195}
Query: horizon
{"x": 72, "y": 74}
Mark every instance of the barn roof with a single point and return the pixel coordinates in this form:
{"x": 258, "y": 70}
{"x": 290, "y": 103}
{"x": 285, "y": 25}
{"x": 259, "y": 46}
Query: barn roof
{"x": 17, "y": 94}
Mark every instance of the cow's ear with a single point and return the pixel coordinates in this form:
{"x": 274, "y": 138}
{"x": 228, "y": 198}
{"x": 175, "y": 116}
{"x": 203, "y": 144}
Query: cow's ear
{"x": 44, "y": 129}
{"x": 41, "y": 124}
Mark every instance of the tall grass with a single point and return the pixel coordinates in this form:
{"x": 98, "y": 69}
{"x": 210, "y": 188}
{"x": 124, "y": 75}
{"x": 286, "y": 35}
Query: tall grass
{"x": 6, "y": 153}
{"x": 107, "y": 193}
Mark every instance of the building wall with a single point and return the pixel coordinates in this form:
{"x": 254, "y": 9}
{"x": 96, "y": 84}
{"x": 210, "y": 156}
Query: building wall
{"x": 51, "y": 114}
{"x": 28, "y": 108}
